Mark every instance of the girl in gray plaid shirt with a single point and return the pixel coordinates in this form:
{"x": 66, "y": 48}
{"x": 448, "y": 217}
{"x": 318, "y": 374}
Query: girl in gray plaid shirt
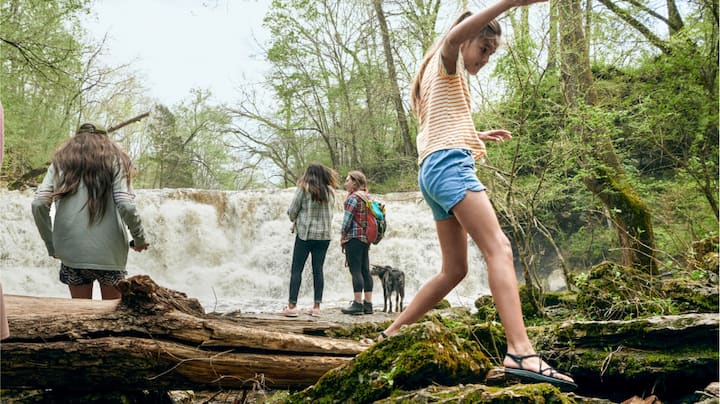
{"x": 311, "y": 212}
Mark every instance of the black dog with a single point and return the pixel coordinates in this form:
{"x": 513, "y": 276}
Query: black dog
{"x": 393, "y": 280}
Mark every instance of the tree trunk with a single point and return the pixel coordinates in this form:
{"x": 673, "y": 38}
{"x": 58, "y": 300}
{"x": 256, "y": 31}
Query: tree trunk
{"x": 155, "y": 339}
{"x": 553, "y": 37}
{"x": 408, "y": 146}
{"x": 675, "y": 22}
{"x": 629, "y": 213}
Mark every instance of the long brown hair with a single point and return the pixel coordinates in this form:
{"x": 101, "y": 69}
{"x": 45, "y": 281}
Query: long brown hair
{"x": 491, "y": 30}
{"x": 319, "y": 181}
{"x": 90, "y": 157}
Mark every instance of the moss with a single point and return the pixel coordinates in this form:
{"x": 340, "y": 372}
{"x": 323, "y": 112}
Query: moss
{"x": 615, "y": 292}
{"x": 692, "y": 296}
{"x": 486, "y": 310}
{"x": 631, "y": 215}
{"x": 557, "y": 298}
{"x": 624, "y": 367}
{"x": 357, "y": 331}
{"x": 443, "y": 304}
{"x": 530, "y": 393}
{"x": 456, "y": 320}
{"x": 491, "y": 338}
{"x": 530, "y": 308}
{"x": 421, "y": 355}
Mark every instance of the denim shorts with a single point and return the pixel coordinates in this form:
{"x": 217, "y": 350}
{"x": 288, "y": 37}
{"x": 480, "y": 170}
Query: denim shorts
{"x": 77, "y": 277}
{"x": 445, "y": 176}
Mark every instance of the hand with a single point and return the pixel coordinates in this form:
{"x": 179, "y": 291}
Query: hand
{"x": 518, "y": 3}
{"x": 494, "y": 135}
{"x": 140, "y": 248}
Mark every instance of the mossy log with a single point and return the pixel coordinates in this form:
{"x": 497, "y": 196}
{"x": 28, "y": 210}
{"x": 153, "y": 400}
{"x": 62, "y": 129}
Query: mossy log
{"x": 154, "y": 338}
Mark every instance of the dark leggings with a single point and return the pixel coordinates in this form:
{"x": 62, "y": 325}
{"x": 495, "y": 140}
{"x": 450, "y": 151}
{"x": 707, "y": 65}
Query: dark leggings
{"x": 358, "y": 260}
{"x": 303, "y": 248}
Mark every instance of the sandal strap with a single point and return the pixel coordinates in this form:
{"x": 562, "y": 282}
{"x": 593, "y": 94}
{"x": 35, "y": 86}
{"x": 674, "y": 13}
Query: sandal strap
{"x": 549, "y": 368}
{"x": 520, "y": 358}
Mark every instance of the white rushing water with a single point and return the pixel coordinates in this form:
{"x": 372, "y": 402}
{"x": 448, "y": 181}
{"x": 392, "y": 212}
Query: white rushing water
{"x": 232, "y": 250}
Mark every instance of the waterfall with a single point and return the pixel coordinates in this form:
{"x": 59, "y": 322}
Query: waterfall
{"x": 232, "y": 250}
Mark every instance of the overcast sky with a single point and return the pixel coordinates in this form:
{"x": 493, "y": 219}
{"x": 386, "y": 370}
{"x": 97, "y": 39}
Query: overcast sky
{"x": 176, "y": 45}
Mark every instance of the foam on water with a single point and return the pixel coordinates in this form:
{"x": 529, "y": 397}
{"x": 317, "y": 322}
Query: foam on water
{"x": 232, "y": 250}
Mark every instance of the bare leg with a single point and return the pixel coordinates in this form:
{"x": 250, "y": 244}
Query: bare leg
{"x": 81, "y": 291}
{"x": 478, "y": 217}
{"x": 453, "y": 244}
{"x": 110, "y": 292}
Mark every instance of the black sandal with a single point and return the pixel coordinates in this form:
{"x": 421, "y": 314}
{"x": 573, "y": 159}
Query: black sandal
{"x": 381, "y": 337}
{"x": 543, "y": 375}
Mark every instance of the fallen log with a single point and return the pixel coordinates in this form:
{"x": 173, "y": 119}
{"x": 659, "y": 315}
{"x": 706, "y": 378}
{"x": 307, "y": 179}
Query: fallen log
{"x": 153, "y": 338}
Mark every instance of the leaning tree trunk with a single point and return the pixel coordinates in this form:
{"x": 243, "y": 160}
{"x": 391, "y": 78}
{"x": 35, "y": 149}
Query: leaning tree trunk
{"x": 606, "y": 180}
{"x": 154, "y": 339}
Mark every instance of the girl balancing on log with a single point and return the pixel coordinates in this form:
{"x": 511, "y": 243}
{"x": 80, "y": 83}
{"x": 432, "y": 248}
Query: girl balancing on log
{"x": 448, "y": 145}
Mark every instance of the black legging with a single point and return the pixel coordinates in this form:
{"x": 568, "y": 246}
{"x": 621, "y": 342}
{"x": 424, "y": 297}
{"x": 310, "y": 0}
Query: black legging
{"x": 303, "y": 248}
{"x": 358, "y": 260}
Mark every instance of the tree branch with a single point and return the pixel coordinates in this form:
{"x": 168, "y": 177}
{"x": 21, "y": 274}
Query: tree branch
{"x": 645, "y": 31}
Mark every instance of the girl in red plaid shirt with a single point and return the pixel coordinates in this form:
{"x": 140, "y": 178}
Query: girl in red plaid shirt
{"x": 355, "y": 244}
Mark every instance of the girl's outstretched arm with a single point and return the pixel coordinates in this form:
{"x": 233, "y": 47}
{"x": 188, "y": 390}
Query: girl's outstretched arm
{"x": 472, "y": 26}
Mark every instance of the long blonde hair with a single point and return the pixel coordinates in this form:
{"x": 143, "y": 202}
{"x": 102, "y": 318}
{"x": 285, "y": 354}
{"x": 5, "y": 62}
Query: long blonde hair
{"x": 491, "y": 30}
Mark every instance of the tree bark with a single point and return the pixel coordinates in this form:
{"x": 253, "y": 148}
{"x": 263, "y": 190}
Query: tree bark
{"x": 553, "y": 40}
{"x": 408, "y": 146}
{"x": 154, "y": 339}
{"x": 606, "y": 180}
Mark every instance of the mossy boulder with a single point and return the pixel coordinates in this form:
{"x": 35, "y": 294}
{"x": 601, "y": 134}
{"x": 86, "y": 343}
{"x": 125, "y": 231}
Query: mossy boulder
{"x": 457, "y": 320}
{"x": 474, "y": 393}
{"x": 673, "y": 355}
{"x": 611, "y": 291}
{"x": 420, "y": 355}
{"x": 692, "y": 296}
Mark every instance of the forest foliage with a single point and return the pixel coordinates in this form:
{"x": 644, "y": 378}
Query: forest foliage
{"x": 613, "y": 105}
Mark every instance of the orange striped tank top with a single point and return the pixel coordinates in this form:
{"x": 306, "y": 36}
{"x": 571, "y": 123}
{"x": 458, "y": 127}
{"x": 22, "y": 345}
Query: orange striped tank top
{"x": 445, "y": 118}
